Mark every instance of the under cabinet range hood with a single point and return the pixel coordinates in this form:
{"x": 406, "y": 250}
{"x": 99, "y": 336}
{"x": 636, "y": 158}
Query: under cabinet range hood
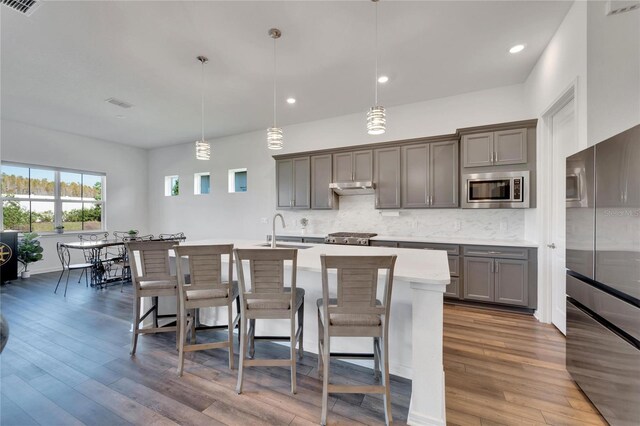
{"x": 353, "y": 188}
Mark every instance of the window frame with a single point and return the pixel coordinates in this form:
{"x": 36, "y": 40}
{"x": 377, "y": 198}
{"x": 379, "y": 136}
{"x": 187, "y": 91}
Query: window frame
{"x": 197, "y": 183}
{"x": 57, "y": 197}
{"x": 232, "y": 180}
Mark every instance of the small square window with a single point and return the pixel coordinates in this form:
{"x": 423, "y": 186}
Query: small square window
{"x": 201, "y": 183}
{"x": 238, "y": 180}
{"x": 171, "y": 186}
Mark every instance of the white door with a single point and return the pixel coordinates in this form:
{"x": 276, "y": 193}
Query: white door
{"x": 563, "y": 143}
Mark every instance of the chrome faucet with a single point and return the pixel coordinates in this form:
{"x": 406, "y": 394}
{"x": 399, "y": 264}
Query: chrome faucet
{"x": 273, "y": 233}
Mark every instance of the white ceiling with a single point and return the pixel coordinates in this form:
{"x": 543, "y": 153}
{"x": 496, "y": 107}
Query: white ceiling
{"x": 59, "y": 65}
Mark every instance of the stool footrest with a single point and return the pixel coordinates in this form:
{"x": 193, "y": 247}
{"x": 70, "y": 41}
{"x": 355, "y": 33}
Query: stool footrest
{"x": 267, "y": 362}
{"x": 202, "y": 346}
{"x": 355, "y": 389}
{"x": 351, "y": 355}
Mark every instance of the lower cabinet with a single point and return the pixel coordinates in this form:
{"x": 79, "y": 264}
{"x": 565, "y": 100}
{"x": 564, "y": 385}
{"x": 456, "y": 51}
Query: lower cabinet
{"x": 496, "y": 280}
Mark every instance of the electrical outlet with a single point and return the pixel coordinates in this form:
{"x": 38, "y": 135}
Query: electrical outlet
{"x": 264, "y": 220}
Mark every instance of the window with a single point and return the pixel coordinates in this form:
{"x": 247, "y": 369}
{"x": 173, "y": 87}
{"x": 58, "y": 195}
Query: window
{"x": 238, "y": 180}
{"x": 201, "y": 183}
{"x": 171, "y": 186}
{"x": 37, "y": 199}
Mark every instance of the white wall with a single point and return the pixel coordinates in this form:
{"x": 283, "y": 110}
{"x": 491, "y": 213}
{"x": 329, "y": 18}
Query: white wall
{"x": 221, "y": 214}
{"x": 125, "y": 168}
{"x": 613, "y": 44}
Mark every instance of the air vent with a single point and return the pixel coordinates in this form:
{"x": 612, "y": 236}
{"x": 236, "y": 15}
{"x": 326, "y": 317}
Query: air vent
{"x": 118, "y": 102}
{"x": 616, "y": 7}
{"x": 26, "y": 7}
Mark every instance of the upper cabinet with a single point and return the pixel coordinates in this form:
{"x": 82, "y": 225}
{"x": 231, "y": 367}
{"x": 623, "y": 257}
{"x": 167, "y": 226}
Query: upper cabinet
{"x": 322, "y": 197}
{"x": 355, "y": 166}
{"x": 293, "y": 183}
{"x": 387, "y": 177}
{"x": 430, "y": 175}
{"x": 497, "y": 148}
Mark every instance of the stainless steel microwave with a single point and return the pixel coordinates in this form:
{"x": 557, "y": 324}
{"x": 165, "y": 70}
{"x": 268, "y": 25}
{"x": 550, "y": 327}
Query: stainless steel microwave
{"x": 498, "y": 190}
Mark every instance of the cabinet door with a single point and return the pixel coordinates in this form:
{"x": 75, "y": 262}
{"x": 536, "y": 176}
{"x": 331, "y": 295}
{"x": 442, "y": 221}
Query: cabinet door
{"x": 415, "y": 176}
{"x": 387, "y": 169}
{"x": 443, "y": 174}
{"x": 510, "y": 147}
{"x": 343, "y": 167}
{"x": 284, "y": 183}
{"x": 478, "y": 279}
{"x": 453, "y": 289}
{"x": 477, "y": 149}
{"x": 321, "y": 196}
{"x": 511, "y": 282}
{"x": 301, "y": 188}
{"x": 363, "y": 166}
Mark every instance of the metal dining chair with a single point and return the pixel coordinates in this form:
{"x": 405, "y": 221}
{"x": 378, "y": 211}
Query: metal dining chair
{"x": 178, "y": 236}
{"x": 65, "y": 261}
{"x": 355, "y": 312}
{"x": 268, "y": 298}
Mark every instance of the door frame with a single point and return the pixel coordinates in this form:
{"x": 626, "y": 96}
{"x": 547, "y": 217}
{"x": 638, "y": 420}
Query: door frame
{"x": 544, "y": 214}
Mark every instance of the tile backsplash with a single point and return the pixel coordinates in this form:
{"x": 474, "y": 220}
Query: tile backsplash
{"x": 357, "y": 214}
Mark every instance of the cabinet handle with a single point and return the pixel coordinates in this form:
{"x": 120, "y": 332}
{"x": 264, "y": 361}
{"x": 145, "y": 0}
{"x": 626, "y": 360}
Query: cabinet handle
{"x": 497, "y": 266}
{"x": 290, "y": 203}
{"x": 494, "y": 252}
{"x": 492, "y": 267}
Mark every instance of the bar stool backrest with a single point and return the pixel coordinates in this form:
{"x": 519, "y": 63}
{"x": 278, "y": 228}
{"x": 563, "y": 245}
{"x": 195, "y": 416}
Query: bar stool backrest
{"x": 178, "y": 236}
{"x": 357, "y": 284}
{"x": 151, "y": 262}
{"x": 95, "y": 236}
{"x": 266, "y": 268}
{"x": 63, "y": 255}
{"x": 205, "y": 266}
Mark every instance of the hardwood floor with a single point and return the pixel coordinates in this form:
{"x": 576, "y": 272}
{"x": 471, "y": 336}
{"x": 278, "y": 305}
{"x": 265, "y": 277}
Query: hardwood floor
{"x": 67, "y": 362}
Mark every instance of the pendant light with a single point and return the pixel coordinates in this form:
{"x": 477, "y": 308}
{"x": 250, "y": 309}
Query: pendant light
{"x": 203, "y": 148}
{"x": 376, "y": 117}
{"x": 274, "y": 134}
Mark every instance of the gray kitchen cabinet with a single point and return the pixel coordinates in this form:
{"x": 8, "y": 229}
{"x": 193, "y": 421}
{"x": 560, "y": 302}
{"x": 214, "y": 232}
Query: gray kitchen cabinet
{"x": 497, "y": 148}
{"x": 479, "y": 281}
{"x": 511, "y": 282}
{"x": 292, "y": 183}
{"x": 453, "y": 289}
{"x": 387, "y": 177}
{"x": 322, "y": 198}
{"x": 354, "y": 166}
{"x": 430, "y": 175}
{"x": 375, "y": 243}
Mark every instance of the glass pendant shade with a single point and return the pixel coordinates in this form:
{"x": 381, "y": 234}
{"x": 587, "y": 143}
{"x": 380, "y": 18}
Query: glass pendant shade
{"x": 376, "y": 120}
{"x": 203, "y": 150}
{"x": 274, "y": 138}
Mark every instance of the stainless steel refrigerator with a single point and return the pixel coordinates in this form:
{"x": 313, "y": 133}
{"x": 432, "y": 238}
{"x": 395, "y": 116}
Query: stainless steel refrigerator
{"x": 603, "y": 275}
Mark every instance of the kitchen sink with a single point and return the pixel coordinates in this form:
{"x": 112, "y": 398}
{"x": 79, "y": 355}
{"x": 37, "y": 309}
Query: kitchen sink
{"x": 285, "y": 246}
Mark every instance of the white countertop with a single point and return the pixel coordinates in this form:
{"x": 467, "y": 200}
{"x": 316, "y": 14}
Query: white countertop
{"x": 419, "y": 266}
{"x": 435, "y": 240}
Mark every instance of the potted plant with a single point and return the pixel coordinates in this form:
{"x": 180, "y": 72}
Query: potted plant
{"x": 132, "y": 232}
{"x": 59, "y": 229}
{"x": 29, "y": 251}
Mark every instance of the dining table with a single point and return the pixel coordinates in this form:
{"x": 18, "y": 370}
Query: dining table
{"x": 96, "y": 254}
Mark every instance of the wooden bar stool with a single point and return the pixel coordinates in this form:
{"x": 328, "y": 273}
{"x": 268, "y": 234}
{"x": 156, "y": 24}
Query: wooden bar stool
{"x": 355, "y": 312}
{"x": 268, "y": 298}
{"x": 151, "y": 277}
{"x": 205, "y": 290}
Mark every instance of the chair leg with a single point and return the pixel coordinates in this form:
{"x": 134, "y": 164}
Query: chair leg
{"x": 320, "y": 342}
{"x": 376, "y": 358}
{"x": 238, "y": 312}
{"x": 80, "y": 277}
{"x": 230, "y": 336}
{"x": 59, "y": 279}
{"x": 252, "y": 335}
{"x": 181, "y": 339}
{"x": 301, "y": 327}
{"x": 136, "y": 325}
{"x": 387, "y": 386}
{"x": 325, "y": 379}
{"x": 154, "y": 300}
{"x": 243, "y": 348}
{"x": 292, "y": 346}
{"x": 194, "y": 314}
{"x": 86, "y": 278}
{"x": 67, "y": 283}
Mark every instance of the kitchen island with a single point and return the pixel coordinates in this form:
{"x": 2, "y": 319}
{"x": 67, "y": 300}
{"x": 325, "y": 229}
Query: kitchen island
{"x": 415, "y": 327}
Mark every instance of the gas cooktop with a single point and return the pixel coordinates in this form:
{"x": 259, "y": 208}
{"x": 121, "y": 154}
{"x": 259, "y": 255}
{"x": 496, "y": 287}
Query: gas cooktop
{"x": 349, "y": 238}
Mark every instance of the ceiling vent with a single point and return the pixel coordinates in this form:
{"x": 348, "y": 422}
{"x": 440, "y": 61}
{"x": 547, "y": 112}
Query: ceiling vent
{"x": 26, "y": 7}
{"x": 118, "y": 102}
{"x": 616, "y": 7}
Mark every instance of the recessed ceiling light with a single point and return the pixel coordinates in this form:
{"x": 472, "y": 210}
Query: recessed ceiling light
{"x": 291, "y": 101}
{"x": 383, "y": 79}
{"x": 517, "y": 48}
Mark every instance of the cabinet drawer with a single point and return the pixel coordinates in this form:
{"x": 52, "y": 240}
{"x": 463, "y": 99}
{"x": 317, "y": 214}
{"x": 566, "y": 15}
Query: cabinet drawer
{"x": 454, "y": 266}
{"x": 451, "y": 249}
{"x": 311, "y": 240}
{"x": 453, "y": 289}
{"x": 501, "y": 252}
{"x": 384, "y": 244}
